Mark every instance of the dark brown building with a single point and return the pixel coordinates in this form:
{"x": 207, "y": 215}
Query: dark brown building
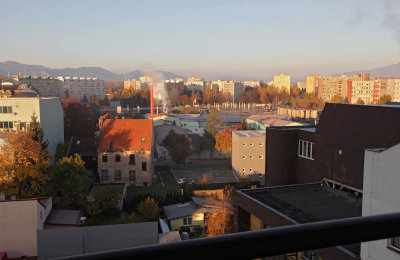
{"x": 334, "y": 149}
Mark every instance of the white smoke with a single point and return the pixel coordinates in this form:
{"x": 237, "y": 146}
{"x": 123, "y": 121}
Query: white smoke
{"x": 159, "y": 89}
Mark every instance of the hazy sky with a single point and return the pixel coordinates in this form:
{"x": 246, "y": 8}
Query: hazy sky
{"x": 213, "y": 39}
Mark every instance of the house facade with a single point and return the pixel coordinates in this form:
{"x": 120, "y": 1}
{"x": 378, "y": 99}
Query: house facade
{"x": 20, "y": 222}
{"x": 125, "y": 151}
{"x": 248, "y": 152}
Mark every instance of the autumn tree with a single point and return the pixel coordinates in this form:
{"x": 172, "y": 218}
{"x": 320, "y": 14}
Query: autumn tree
{"x": 102, "y": 200}
{"x": 385, "y": 99}
{"x": 360, "y": 101}
{"x": 223, "y": 141}
{"x": 23, "y": 166}
{"x": 148, "y": 209}
{"x": 336, "y": 99}
{"x": 206, "y": 178}
{"x": 69, "y": 180}
{"x": 179, "y": 146}
{"x": 78, "y": 119}
{"x": 221, "y": 221}
{"x": 213, "y": 122}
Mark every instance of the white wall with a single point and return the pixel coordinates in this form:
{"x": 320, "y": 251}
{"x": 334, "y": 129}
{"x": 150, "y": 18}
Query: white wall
{"x": 381, "y": 194}
{"x": 49, "y": 112}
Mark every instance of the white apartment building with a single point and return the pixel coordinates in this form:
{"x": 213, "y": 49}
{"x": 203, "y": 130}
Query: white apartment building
{"x": 393, "y": 86}
{"x": 233, "y": 89}
{"x": 194, "y": 83}
{"x": 381, "y": 194}
{"x": 16, "y": 113}
{"x": 45, "y": 86}
{"x": 282, "y": 81}
{"x": 364, "y": 90}
{"x": 78, "y": 87}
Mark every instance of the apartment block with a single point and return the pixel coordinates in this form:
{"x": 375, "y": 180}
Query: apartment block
{"x": 328, "y": 87}
{"x": 248, "y": 152}
{"x": 134, "y": 84}
{"x": 282, "y": 81}
{"x": 45, "y": 86}
{"x": 125, "y": 151}
{"x": 78, "y": 87}
{"x": 310, "y": 84}
{"x": 195, "y": 83}
{"x": 16, "y": 113}
{"x": 232, "y": 89}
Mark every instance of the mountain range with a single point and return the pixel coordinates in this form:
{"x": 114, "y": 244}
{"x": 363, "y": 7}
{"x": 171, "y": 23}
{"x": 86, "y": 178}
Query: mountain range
{"x": 15, "y": 68}
{"x": 386, "y": 71}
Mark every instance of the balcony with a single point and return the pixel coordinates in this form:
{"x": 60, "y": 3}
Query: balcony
{"x": 267, "y": 242}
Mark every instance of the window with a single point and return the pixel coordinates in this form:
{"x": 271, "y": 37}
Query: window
{"x": 187, "y": 221}
{"x": 306, "y": 149}
{"x": 104, "y": 175}
{"x": 244, "y": 144}
{"x": 251, "y": 170}
{"x": 244, "y": 157}
{"x": 243, "y": 170}
{"x": 105, "y": 157}
{"x": 261, "y": 144}
{"x": 117, "y": 157}
{"x": 394, "y": 242}
{"x": 117, "y": 176}
{"x": 251, "y": 144}
{"x": 260, "y": 157}
{"x": 251, "y": 156}
{"x": 144, "y": 166}
{"x": 131, "y": 159}
{"x": 132, "y": 176}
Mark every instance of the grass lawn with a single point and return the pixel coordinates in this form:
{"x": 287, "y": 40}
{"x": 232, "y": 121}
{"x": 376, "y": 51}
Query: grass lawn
{"x": 164, "y": 184}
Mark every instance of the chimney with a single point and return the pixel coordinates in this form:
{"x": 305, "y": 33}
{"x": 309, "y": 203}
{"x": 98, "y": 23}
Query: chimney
{"x": 152, "y": 99}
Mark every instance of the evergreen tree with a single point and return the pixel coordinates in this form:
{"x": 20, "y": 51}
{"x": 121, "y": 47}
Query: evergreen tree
{"x": 36, "y": 131}
{"x": 243, "y": 125}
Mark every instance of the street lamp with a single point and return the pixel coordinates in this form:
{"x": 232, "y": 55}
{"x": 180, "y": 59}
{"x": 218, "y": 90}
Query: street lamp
{"x": 83, "y": 219}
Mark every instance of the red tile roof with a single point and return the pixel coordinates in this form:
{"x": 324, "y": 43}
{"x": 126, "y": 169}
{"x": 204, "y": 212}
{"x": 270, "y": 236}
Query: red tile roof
{"x": 125, "y": 135}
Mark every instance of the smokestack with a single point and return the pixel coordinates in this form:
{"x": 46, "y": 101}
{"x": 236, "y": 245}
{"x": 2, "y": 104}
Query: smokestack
{"x": 152, "y": 97}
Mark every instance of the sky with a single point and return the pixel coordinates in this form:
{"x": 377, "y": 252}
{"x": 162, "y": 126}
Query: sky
{"x": 226, "y": 39}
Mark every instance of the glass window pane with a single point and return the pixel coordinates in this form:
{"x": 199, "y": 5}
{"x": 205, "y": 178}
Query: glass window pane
{"x": 309, "y": 150}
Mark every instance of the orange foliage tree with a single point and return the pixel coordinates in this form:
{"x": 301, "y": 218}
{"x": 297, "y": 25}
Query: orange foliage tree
{"x": 223, "y": 141}
{"x": 148, "y": 209}
{"x": 23, "y": 166}
{"x": 221, "y": 221}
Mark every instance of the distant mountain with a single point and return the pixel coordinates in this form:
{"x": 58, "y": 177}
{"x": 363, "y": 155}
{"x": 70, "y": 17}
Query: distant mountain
{"x": 14, "y": 68}
{"x": 386, "y": 71}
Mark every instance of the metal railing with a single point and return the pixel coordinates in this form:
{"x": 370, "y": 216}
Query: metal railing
{"x": 267, "y": 242}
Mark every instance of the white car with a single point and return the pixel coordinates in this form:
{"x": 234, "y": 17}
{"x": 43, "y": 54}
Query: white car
{"x": 181, "y": 180}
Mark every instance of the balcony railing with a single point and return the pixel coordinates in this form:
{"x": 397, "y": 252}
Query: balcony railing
{"x": 267, "y": 242}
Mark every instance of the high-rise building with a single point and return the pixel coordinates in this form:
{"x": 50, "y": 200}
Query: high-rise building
{"x": 310, "y": 84}
{"x": 232, "y": 89}
{"x": 194, "y": 83}
{"x": 282, "y": 81}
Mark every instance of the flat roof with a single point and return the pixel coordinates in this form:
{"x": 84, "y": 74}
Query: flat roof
{"x": 250, "y": 133}
{"x": 307, "y": 203}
